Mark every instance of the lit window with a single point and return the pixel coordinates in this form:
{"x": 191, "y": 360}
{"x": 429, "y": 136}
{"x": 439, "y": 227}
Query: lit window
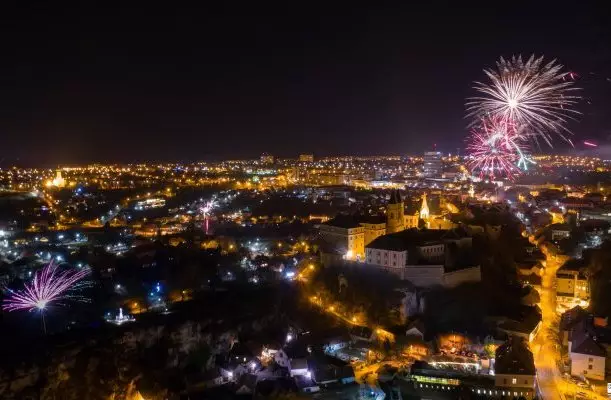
{"x": 514, "y": 381}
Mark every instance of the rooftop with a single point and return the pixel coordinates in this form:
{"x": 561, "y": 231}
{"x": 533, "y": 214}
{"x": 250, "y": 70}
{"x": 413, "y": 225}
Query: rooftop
{"x": 514, "y": 357}
{"x": 344, "y": 221}
{"x": 401, "y": 241}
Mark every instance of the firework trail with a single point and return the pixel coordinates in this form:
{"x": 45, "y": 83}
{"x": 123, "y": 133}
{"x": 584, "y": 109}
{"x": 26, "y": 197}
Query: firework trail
{"x": 50, "y": 285}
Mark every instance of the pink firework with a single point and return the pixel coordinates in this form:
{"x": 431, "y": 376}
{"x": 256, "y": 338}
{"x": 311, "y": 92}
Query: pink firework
{"x": 495, "y": 148}
{"x": 50, "y": 285}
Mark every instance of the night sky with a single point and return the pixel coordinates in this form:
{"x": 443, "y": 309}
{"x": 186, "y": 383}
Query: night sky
{"x": 160, "y": 83}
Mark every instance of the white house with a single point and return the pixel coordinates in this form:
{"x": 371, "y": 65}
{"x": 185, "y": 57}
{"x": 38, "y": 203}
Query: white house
{"x": 588, "y": 357}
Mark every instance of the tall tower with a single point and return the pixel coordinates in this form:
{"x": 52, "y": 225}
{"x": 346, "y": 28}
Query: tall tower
{"x": 395, "y": 219}
{"x": 424, "y": 209}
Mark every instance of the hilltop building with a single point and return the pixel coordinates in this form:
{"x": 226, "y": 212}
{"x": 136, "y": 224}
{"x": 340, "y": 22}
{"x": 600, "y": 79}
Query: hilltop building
{"x": 395, "y": 210}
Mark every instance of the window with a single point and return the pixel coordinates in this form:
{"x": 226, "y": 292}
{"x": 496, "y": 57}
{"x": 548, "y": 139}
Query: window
{"x": 590, "y": 359}
{"x": 525, "y": 381}
{"x": 505, "y": 381}
{"x": 590, "y": 366}
{"x": 514, "y": 380}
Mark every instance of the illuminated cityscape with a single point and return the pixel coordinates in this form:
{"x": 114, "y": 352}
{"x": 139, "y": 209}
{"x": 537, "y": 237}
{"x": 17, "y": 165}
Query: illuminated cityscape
{"x": 265, "y": 202}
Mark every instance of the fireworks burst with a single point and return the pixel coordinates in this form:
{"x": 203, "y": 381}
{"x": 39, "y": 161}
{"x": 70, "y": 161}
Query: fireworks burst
{"x": 535, "y": 96}
{"x": 50, "y": 285}
{"x": 496, "y": 149}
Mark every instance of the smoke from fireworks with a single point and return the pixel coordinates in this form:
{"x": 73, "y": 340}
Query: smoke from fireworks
{"x": 50, "y": 285}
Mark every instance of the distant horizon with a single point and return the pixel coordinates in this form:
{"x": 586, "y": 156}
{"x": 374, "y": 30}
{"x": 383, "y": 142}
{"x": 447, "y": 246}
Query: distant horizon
{"x": 590, "y": 152}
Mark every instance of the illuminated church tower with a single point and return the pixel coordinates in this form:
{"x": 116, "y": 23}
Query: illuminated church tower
{"x": 424, "y": 209}
{"x": 59, "y": 181}
{"x": 395, "y": 220}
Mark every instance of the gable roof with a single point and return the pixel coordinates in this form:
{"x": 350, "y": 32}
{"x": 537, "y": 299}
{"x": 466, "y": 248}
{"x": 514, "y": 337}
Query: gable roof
{"x": 572, "y": 317}
{"x": 583, "y": 343}
{"x": 401, "y": 241}
{"x": 514, "y": 357}
{"x": 343, "y": 221}
{"x": 395, "y": 197}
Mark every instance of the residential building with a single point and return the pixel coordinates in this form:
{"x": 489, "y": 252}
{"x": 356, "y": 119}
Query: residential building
{"x": 572, "y": 288}
{"x": 523, "y": 323}
{"x": 515, "y": 369}
{"x": 568, "y": 321}
{"x": 560, "y": 231}
{"x": 588, "y": 356}
{"x": 588, "y": 342}
{"x": 346, "y": 235}
{"x": 375, "y": 227}
{"x": 267, "y": 158}
{"x": 306, "y": 157}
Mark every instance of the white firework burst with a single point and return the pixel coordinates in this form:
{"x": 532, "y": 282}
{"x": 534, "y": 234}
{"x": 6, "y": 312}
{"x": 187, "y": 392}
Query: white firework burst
{"x": 537, "y": 96}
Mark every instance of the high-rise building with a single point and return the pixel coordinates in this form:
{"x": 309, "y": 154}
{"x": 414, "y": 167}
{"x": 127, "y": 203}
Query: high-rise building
{"x": 267, "y": 158}
{"x": 433, "y": 166}
{"x": 306, "y": 157}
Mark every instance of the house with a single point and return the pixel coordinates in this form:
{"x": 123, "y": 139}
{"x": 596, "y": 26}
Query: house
{"x": 560, "y": 231}
{"x": 306, "y": 384}
{"x": 572, "y": 286}
{"x": 328, "y": 370}
{"x": 294, "y": 358}
{"x": 568, "y": 321}
{"x": 207, "y": 379}
{"x": 246, "y": 384}
{"x": 524, "y": 324}
{"x": 346, "y": 234}
{"x": 515, "y": 369}
{"x": 533, "y": 280}
{"x": 415, "y": 328}
{"x": 358, "y": 332}
{"x": 299, "y": 367}
{"x": 589, "y": 338}
{"x": 588, "y": 356}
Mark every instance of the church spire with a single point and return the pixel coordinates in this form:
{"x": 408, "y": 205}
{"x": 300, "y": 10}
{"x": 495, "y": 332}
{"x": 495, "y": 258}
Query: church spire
{"x": 395, "y": 197}
{"x": 424, "y": 208}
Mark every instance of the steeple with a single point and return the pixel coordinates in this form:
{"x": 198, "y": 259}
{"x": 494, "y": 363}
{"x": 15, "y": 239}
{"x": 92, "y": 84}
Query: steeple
{"x": 395, "y": 218}
{"x": 395, "y": 197}
{"x": 424, "y": 209}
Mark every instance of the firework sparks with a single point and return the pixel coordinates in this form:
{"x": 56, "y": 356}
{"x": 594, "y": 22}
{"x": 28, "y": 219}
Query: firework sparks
{"x": 50, "y": 285}
{"x": 496, "y": 149}
{"x": 537, "y": 97}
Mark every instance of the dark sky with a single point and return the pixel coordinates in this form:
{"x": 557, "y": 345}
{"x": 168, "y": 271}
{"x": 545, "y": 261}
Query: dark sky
{"x": 148, "y": 82}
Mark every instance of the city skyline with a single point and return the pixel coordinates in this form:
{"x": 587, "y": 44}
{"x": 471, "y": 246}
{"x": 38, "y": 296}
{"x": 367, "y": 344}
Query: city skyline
{"x": 89, "y": 85}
